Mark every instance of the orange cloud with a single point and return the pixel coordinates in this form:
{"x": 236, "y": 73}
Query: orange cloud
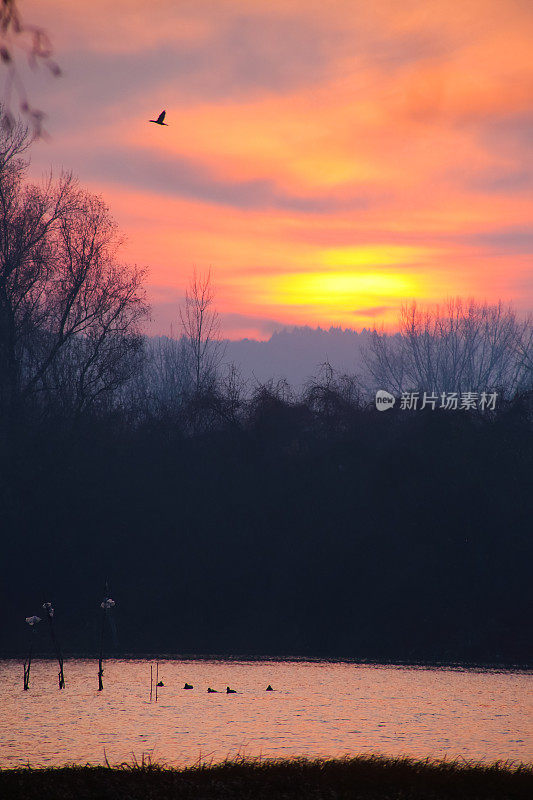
{"x": 322, "y": 159}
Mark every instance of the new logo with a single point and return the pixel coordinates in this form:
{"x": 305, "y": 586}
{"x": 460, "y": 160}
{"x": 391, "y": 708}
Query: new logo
{"x": 384, "y": 400}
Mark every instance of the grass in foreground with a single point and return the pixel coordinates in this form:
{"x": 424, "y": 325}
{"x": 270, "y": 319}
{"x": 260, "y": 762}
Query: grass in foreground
{"x": 361, "y": 778}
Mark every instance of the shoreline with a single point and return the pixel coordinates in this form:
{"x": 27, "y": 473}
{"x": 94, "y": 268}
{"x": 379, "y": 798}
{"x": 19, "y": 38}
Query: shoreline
{"x": 420, "y": 663}
{"x": 361, "y": 777}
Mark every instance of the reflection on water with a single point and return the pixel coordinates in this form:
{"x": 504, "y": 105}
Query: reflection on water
{"x": 317, "y": 709}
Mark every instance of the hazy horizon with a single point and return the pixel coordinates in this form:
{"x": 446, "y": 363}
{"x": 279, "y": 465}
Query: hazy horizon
{"x": 294, "y": 353}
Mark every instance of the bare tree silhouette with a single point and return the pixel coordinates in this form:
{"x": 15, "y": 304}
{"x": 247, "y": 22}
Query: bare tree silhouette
{"x": 201, "y": 326}
{"x": 462, "y": 346}
{"x": 70, "y": 314}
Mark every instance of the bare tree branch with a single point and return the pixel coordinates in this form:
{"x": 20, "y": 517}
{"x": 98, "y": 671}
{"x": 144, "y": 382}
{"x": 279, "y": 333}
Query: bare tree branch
{"x": 16, "y": 37}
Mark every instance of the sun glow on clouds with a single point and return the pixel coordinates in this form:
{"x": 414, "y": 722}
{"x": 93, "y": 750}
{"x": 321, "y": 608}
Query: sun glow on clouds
{"x": 352, "y": 280}
{"x": 375, "y": 256}
{"x": 327, "y": 161}
{"x": 341, "y": 294}
{"x": 344, "y": 290}
{"x": 346, "y": 282}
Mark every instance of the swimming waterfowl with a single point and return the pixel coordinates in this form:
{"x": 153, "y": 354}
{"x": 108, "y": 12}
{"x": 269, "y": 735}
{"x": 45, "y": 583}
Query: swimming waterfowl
{"x": 230, "y": 691}
{"x": 160, "y": 683}
{"x": 211, "y": 691}
{"x": 188, "y": 686}
{"x": 269, "y": 688}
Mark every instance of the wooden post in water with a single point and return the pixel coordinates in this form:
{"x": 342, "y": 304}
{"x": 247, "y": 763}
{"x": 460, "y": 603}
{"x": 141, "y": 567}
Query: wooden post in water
{"x": 105, "y": 605}
{"x": 100, "y": 659}
{"x": 32, "y": 622}
{"x": 27, "y": 668}
{"x": 151, "y": 680}
{"x": 50, "y": 614}
{"x": 156, "y": 678}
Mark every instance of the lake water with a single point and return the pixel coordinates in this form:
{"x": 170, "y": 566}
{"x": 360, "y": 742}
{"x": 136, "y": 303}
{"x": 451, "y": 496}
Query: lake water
{"x": 317, "y": 709}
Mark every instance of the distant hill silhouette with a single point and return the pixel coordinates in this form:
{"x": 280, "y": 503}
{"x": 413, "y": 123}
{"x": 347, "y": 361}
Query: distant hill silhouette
{"x": 296, "y": 354}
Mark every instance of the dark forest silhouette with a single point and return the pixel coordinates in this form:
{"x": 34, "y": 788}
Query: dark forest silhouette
{"x": 254, "y": 520}
{"x": 319, "y": 527}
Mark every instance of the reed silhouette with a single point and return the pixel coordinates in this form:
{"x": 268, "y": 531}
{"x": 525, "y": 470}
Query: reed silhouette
{"x": 364, "y": 777}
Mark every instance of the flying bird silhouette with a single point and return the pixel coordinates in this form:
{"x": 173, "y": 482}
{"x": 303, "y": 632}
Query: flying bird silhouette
{"x": 159, "y": 120}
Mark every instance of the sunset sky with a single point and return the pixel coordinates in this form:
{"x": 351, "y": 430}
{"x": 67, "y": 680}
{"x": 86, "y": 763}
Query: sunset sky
{"x": 328, "y": 161}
